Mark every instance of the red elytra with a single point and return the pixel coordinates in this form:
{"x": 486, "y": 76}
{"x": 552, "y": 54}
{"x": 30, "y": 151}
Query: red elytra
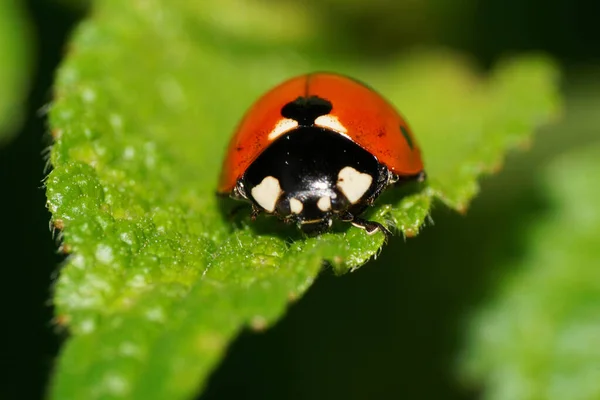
{"x": 369, "y": 120}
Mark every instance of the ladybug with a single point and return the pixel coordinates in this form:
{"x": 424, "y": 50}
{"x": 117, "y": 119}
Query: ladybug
{"x": 317, "y": 147}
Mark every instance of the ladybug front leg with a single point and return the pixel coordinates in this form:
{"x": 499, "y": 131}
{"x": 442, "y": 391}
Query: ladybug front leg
{"x": 396, "y": 180}
{"x": 255, "y": 212}
{"x": 371, "y": 227}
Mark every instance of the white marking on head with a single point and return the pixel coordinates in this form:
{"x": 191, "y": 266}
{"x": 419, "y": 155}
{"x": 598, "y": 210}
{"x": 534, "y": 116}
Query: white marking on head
{"x": 353, "y": 184}
{"x": 266, "y": 193}
{"x": 324, "y": 203}
{"x": 330, "y": 122}
{"x": 283, "y": 125}
{"x": 296, "y": 205}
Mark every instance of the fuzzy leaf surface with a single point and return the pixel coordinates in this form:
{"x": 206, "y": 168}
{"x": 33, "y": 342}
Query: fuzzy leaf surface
{"x": 159, "y": 279}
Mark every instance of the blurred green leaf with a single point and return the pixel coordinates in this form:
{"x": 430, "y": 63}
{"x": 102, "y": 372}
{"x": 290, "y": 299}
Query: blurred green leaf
{"x": 15, "y": 48}
{"x": 158, "y": 280}
{"x": 78, "y": 5}
{"x": 540, "y": 337}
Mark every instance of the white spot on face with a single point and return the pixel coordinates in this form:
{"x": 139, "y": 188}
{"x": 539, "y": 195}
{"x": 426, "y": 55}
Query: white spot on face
{"x": 266, "y": 193}
{"x": 324, "y": 203}
{"x": 296, "y": 205}
{"x": 330, "y": 122}
{"x": 353, "y": 184}
{"x": 283, "y": 125}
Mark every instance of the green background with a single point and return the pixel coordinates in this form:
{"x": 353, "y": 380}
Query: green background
{"x": 392, "y": 330}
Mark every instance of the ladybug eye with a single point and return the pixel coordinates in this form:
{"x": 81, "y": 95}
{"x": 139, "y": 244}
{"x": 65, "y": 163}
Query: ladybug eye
{"x": 306, "y": 109}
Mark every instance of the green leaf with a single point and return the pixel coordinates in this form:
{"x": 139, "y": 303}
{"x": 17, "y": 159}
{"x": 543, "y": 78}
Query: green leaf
{"x": 159, "y": 280}
{"x": 540, "y": 337}
{"x": 15, "y": 48}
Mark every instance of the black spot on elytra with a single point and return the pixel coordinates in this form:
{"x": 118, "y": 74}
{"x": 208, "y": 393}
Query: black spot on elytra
{"x": 306, "y": 109}
{"x": 407, "y": 137}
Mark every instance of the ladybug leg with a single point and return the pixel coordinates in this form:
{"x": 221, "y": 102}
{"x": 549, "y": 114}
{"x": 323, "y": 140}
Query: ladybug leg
{"x": 255, "y": 212}
{"x": 396, "y": 180}
{"x": 371, "y": 227}
{"x": 239, "y": 191}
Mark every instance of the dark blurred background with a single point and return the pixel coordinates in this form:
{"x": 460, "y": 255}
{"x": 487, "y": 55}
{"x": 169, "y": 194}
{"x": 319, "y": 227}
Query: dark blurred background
{"x": 392, "y": 329}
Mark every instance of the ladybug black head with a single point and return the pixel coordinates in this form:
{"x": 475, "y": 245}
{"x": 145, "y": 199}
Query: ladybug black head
{"x": 312, "y": 175}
